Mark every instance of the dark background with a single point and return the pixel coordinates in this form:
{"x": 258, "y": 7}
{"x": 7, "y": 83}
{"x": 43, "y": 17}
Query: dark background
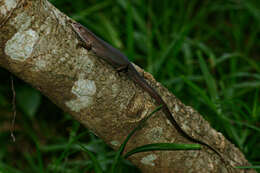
{"x": 205, "y": 52}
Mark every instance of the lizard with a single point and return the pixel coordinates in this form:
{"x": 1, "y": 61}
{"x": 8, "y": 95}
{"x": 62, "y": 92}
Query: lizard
{"x": 120, "y": 62}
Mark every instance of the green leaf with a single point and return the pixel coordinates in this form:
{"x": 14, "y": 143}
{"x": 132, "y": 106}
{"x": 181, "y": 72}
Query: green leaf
{"x": 163, "y": 146}
{"x": 97, "y": 166}
{"x": 28, "y": 100}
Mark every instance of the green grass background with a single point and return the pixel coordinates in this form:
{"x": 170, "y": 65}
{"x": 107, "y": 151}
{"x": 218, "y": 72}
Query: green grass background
{"x": 205, "y": 52}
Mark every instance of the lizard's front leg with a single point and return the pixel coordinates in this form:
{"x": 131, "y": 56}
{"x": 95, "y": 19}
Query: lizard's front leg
{"x": 86, "y": 45}
{"x": 122, "y": 68}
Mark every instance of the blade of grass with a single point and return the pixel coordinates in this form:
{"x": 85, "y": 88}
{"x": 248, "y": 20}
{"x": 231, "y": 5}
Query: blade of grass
{"x": 226, "y": 56}
{"x": 201, "y": 92}
{"x": 252, "y": 8}
{"x": 111, "y": 31}
{"x": 68, "y": 146}
{"x": 249, "y": 167}
{"x": 175, "y": 46}
{"x": 64, "y": 146}
{"x": 130, "y": 32}
{"x": 38, "y": 166}
{"x": 162, "y": 146}
{"x": 92, "y": 9}
{"x": 211, "y": 83}
{"x": 253, "y": 84}
{"x": 255, "y": 104}
{"x": 243, "y": 124}
{"x": 4, "y": 168}
{"x": 31, "y": 161}
{"x": 97, "y": 166}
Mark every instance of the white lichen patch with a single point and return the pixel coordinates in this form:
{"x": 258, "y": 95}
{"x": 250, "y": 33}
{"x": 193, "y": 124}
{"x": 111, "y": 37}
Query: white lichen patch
{"x": 21, "y": 45}
{"x": 185, "y": 128}
{"x": 79, "y": 103}
{"x": 84, "y": 62}
{"x": 148, "y": 160}
{"x": 190, "y": 109}
{"x": 41, "y": 64}
{"x": 7, "y": 5}
{"x": 84, "y": 87}
{"x": 115, "y": 89}
{"x": 22, "y": 21}
{"x": 45, "y": 28}
{"x": 176, "y": 108}
{"x": 115, "y": 143}
{"x": 84, "y": 90}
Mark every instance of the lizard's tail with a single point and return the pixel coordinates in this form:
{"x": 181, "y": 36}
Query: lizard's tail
{"x": 137, "y": 78}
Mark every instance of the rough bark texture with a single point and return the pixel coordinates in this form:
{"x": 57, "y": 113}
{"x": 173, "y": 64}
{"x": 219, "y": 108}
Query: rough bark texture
{"x": 37, "y": 44}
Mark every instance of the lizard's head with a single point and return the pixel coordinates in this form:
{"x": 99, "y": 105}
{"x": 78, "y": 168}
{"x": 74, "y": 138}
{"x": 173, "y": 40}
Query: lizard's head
{"x": 80, "y": 30}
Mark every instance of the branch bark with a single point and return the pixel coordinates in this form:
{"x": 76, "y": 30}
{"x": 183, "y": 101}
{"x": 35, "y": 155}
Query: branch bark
{"x": 39, "y": 46}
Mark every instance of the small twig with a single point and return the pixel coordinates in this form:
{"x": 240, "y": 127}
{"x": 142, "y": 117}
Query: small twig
{"x": 14, "y": 109}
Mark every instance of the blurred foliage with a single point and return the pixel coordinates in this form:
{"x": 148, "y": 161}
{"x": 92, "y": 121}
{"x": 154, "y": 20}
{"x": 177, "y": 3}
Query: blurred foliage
{"x": 205, "y": 52}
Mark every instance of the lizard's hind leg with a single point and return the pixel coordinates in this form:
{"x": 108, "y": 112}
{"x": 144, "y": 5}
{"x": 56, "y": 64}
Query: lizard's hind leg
{"x": 122, "y": 69}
